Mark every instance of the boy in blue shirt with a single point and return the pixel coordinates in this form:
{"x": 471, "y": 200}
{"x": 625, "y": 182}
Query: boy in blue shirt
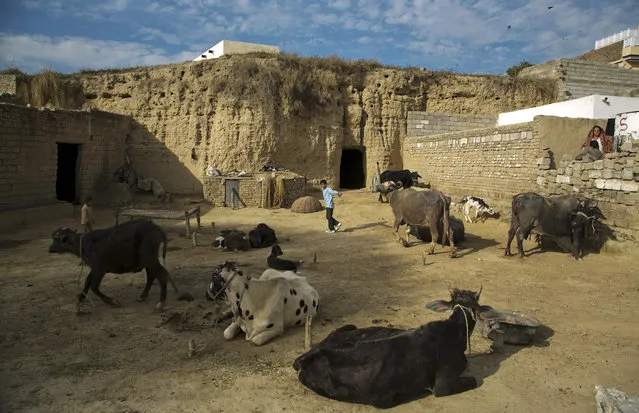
{"x": 333, "y": 224}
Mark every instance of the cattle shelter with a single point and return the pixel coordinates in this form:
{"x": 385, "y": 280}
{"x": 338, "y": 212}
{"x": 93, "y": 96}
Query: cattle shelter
{"x": 263, "y": 190}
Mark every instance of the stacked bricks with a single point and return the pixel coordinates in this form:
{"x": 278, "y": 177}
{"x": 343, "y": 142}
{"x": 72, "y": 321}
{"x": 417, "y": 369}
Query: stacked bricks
{"x": 611, "y": 181}
{"x": 251, "y": 190}
{"x": 424, "y": 123}
{"x": 29, "y": 152}
{"x": 496, "y": 162}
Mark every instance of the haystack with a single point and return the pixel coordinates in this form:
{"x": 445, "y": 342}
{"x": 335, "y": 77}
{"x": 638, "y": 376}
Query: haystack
{"x": 306, "y": 205}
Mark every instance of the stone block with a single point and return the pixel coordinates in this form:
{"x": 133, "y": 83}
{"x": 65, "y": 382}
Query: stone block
{"x": 595, "y": 174}
{"x": 598, "y": 164}
{"x": 630, "y": 186}
{"x": 586, "y": 166}
{"x": 614, "y": 184}
{"x": 616, "y": 174}
{"x": 607, "y": 173}
{"x": 541, "y": 180}
{"x": 568, "y": 171}
{"x": 630, "y": 162}
{"x": 612, "y": 155}
{"x": 599, "y": 183}
{"x": 552, "y": 172}
{"x": 566, "y": 157}
{"x": 577, "y": 166}
{"x": 627, "y": 174}
{"x": 560, "y": 171}
{"x": 562, "y": 179}
{"x": 627, "y": 146}
{"x": 609, "y": 163}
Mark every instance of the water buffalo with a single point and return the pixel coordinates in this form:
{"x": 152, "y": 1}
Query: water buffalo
{"x": 126, "y": 248}
{"x": 558, "y": 216}
{"x": 424, "y": 209}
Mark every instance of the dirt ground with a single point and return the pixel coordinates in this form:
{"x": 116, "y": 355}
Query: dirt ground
{"x": 131, "y": 360}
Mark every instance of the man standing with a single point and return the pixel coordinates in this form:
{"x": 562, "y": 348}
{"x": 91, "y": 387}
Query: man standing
{"x": 333, "y": 224}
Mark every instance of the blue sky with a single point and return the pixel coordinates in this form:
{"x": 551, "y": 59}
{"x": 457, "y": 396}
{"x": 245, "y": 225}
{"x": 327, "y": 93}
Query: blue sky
{"x": 469, "y": 36}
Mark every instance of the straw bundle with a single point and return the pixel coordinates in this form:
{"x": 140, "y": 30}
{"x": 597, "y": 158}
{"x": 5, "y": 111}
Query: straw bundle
{"x": 306, "y": 205}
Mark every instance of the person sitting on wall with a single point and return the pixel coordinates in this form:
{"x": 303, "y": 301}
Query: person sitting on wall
{"x": 606, "y": 142}
{"x": 592, "y": 152}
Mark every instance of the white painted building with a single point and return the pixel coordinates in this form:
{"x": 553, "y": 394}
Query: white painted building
{"x": 627, "y": 127}
{"x": 589, "y": 107}
{"x": 229, "y": 47}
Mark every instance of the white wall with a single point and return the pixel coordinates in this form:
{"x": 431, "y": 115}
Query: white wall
{"x": 589, "y": 107}
{"x": 627, "y": 126}
{"x": 227, "y": 47}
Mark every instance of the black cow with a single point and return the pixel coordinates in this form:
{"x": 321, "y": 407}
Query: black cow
{"x": 559, "y": 216}
{"x": 385, "y": 367}
{"x": 273, "y": 260}
{"x": 232, "y": 240}
{"x": 262, "y": 236}
{"x": 403, "y": 178}
{"x": 126, "y": 248}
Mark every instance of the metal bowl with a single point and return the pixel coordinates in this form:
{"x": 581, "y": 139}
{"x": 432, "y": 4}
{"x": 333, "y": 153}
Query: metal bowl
{"x": 511, "y": 327}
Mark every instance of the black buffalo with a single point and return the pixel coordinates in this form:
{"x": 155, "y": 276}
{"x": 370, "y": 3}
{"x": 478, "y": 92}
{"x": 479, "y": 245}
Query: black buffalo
{"x": 126, "y": 248}
{"x": 262, "y": 236}
{"x": 556, "y": 217}
{"x": 385, "y": 367}
{"x": 404, "y": 179}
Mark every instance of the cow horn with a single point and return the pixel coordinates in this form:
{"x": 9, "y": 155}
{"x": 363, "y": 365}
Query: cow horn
{"x": 481, "y": 287}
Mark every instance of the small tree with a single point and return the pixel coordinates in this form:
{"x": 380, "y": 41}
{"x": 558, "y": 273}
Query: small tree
{"x": 514, "y": 70}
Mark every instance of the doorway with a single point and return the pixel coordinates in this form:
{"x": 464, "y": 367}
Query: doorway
{"x": 66, "y": 178}
{"x": 351, "y": 171}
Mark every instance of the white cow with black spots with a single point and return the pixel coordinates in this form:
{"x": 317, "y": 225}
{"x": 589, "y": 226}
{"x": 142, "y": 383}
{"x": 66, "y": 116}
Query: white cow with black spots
{"x": 263, "y": 307}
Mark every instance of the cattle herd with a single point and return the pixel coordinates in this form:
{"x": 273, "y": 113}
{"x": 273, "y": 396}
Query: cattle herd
{"x": 378, "y": 366}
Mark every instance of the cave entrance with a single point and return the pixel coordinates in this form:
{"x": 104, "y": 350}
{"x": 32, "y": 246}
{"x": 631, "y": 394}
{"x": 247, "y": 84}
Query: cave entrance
{"x": 352, "y": 172}
{"x": 66, "y": 176}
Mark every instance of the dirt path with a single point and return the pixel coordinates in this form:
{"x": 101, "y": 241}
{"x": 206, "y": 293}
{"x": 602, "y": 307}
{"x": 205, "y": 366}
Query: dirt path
{"x": 127, "y": 359}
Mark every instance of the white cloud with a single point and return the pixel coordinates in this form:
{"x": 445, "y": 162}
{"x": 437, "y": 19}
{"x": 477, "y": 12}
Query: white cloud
{"x": 33, "y": 52}
{"x": 151, "y": 33}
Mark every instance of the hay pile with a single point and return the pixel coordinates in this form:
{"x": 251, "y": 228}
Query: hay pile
{"x": 306, "y": 205}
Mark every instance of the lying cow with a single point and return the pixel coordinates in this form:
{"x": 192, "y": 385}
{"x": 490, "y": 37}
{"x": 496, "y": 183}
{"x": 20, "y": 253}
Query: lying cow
{"x": 482, "y": 210}
{"x": 385, "y": 367}
{"x": 423, "y": 209}
{"x": 264, "y": 307}
{"x": 232, "y": 240}
{"x": 559, "y": 216}
{"x": 126, "y": 248}
{"x": 262, "y": 236}
{"x": 423, "y": 234}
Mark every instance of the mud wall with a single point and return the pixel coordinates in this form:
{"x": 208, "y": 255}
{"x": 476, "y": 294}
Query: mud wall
{"x": 29, "y": 151}
{"x": 184, "y": 108}
{"x": 252, "y": 191}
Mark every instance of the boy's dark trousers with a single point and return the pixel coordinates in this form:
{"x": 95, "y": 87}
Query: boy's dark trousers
{"x": 331, "y": 221}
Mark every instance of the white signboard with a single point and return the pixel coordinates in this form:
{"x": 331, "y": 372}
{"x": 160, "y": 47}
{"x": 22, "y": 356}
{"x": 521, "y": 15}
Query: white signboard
{"x": 626, "y": 128}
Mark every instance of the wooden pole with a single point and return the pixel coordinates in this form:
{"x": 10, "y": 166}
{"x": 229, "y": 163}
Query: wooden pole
{"x": 307, "y": 333}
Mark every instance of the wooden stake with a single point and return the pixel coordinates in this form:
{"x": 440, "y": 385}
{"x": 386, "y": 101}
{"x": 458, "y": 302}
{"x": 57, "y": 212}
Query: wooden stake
{"x": 307, "y": 333}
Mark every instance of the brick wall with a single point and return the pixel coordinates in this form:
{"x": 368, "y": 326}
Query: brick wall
{"x": 425, "y": 123}
{"x": 578, "y": 78}
{"x": 28, "y": 151}
{"x": 494, "y": 162}
{"x": 251, "y": 190}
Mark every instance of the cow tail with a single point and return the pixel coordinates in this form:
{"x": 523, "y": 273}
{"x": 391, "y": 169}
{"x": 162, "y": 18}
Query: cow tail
{"x": 168, "y": 274}
{"x": 446, "y": 218}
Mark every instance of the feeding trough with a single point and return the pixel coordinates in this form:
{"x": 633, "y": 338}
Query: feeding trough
{"x": 511, "y": 327}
